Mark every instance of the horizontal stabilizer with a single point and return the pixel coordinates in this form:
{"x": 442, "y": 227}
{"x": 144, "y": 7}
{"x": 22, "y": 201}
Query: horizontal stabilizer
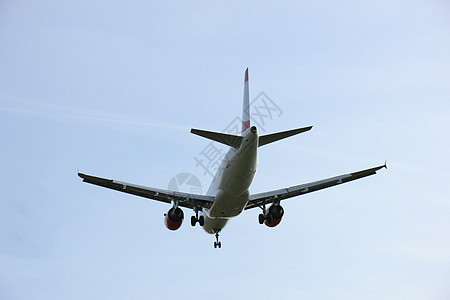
{"x": 227, "y": 139}
{"x": 270, "y": 138}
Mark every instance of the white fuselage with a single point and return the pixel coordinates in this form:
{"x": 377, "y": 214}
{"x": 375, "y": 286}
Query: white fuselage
{"x": 230, "y": 185}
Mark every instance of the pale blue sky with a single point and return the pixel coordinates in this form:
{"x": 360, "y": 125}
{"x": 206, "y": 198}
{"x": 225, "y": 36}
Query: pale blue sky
{"x": 114, "y": 88}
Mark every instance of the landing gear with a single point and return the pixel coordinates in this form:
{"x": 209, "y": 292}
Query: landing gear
{"x": 217, "y": 243}
{"x": 195, "y": 219}
{"x": 275, "y": 212}
{"x": 264, "y": 216}
{"x": 200, "y": 220}
{"x": 261, "y": 218}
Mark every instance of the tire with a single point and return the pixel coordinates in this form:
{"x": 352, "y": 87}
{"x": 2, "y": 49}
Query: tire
{"x": 201, "y": 221}
{"x": 193, "y": 220}
{"x": 261, "y": 218}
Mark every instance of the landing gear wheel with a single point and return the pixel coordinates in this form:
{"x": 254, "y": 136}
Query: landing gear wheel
{"x": 193, "y": 220}
{"x": 217, "y": 243}
{"x": 261, "y": 218}
{"x": 201, "y": 221}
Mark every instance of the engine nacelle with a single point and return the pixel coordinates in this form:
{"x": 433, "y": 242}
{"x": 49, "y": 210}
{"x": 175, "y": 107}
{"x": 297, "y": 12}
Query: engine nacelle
{"x": 174, "y": 218}
{"x": 274, "y": 215}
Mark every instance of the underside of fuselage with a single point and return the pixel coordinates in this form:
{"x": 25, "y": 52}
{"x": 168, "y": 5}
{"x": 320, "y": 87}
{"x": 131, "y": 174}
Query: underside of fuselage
{"x": 231, "y": 182}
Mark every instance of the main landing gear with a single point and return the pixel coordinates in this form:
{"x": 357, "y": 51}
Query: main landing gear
{"x": 217, "y": 243}
{"x": 200, "y": 220}
{"x": 196, "y": 218}
{"x": 264, "y": 216}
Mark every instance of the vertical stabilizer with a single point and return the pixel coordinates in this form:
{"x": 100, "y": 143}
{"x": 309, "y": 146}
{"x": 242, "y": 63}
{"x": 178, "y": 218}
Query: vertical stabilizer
{"x": 245, "y": 105}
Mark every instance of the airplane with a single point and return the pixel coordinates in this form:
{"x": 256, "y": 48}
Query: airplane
{"x": 228, "y": 195}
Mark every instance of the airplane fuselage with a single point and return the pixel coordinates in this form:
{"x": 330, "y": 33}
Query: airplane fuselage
{"x": 230, "y": 185}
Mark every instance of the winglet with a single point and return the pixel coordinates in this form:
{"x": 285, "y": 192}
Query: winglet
{"x": 385, "y": 164}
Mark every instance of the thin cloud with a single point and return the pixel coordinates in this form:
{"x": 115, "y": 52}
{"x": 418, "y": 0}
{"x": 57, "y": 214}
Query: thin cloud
{"x": 72, "y": 114}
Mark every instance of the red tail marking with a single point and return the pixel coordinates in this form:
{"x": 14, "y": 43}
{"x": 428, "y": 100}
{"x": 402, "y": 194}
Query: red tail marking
{"x": 245, "y": 125}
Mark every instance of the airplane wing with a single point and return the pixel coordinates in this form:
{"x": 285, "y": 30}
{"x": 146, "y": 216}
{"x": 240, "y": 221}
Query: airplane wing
{"x": 258, "y": 200}
{"x": 184, "y": 199}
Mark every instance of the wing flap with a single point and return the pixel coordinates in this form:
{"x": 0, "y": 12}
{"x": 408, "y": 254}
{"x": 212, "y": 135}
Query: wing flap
{"x": 184, "y": 199}
{"x": 257, "y": 200}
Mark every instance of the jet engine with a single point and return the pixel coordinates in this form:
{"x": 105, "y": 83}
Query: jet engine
{"x": 174, "y": 218}
{"x": 274, "y": 215}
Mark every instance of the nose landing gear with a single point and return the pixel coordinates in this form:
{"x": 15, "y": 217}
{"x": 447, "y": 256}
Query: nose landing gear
{"x": 217, "y": 243}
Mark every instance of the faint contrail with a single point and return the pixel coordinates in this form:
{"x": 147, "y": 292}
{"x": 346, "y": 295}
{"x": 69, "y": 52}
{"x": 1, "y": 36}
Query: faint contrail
{"x": 64, "y": 114}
